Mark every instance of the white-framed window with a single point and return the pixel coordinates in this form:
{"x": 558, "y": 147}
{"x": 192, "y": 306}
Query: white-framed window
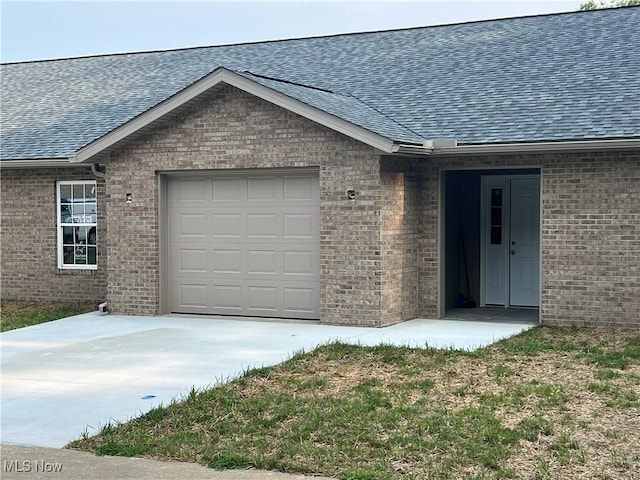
{"x": 77, "y": 225}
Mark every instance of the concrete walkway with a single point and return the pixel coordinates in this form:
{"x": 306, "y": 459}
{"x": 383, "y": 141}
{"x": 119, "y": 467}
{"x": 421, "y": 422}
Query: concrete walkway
{"x": 74, "y": 375}
{"x": 38, "y": 463}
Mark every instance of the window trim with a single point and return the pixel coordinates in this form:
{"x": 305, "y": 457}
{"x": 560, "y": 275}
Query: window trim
{"x": 60, "y": 226}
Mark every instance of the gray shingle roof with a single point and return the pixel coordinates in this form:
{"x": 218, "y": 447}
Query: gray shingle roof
{"x": 557, "y": 77}
{"x": 346, "y": 107}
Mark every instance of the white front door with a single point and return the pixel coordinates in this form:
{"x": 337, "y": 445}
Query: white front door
{"x": 524, "y": 248}
{"x": 511, "y": 240}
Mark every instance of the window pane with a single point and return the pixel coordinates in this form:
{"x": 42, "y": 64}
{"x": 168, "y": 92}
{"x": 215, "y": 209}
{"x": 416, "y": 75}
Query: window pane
{"x": 496, "y": 235}
{"x": 67, "y": 235}
{"x": 496, "y": 216}
{"x": 496, "y": 197}
{"x": 91, "y": 255}
{"x": 81, "y": 235}
{"x": 67, "y": 255}
{"x": 80, "y": 256}
{"x": 92, "y": 210}
{"x": 78, "y": 212}
{"x": 80, "y": 248}
{"x": 78, "y": 192}
{"x": 65, "y": 213}
{"x": 65, "y": 193}
{"x": 91, "y": 238}
{"x": 90, "y": 193}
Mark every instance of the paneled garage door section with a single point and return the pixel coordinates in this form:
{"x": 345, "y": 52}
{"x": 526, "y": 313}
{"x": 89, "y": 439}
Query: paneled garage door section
{"x": 245, "y": 244}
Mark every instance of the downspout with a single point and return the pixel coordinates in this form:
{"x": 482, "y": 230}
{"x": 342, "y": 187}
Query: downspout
{"x": 100, "y": 173}
{"x": 449, "y": 146}
{"x": 97, "y": 171}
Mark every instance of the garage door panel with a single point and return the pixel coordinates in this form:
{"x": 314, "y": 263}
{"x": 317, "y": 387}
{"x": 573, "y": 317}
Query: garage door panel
{"x": 193, "y": 191}
{"x": 261, "y": 299}
{"x": 228, "y": 189}
{"x": 261, "y": 225}
{"x": 226, "y": 261}
{"x": 188, "y": 261}
{"x": 263, "y": 188}
{"x": 300, "y": 188}
{"x": 299, "y": 225}
{"x": 300, "y": 300}
{"x": 251, "y": 249}
{"x": 227, "y": 298}
{"x": 263, "y": 262}
{"x": 192, "y": 260}
{"x": 192, "y": 225}
{"x": 192, "y": 295}
{"x": 226, "y": 225}
{"x": 298, "y": 263}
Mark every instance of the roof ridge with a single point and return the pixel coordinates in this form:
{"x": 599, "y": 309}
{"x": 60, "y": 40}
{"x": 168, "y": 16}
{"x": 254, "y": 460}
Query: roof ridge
{"x": 333, "y": 35}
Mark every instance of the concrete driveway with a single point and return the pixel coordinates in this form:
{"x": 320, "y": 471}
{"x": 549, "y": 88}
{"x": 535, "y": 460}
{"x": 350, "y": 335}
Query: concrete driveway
{"x": 74, "y": 375}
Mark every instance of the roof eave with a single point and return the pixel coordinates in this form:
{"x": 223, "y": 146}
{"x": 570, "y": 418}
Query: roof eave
{"x": 222, "y": 75}
{"x": 38, "y": 163}
{"x": 540, "y": 147}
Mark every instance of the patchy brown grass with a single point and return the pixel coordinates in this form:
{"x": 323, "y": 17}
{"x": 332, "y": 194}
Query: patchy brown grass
{"x": 550, "y": 403}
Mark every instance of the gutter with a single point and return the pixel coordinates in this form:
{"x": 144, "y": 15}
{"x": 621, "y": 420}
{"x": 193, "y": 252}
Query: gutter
{"x": 438, "y": 146}
{"x": 449, "y": 146}
{"x": 429, "y": 147}
{"x": 39, "y": 163}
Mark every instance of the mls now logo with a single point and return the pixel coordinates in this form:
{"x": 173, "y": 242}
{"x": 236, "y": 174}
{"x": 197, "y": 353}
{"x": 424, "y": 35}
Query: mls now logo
{"x": 25, "y": 466}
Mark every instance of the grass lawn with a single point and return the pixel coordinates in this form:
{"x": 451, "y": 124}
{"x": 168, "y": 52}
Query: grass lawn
{"x": 17, "y": 314}
{"x": 549, "y": 403}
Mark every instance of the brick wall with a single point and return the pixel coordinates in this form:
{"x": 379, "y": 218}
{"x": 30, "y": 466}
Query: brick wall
{"x": 590, "y": 234}
{"x": 591, "y": 240}
{"x": 29, "y": 265}
{"x": 379, "y": 260}
{"x": 400, "y": 214}
{"x": 231, "y": 129}
{"x": 428, "y": 240}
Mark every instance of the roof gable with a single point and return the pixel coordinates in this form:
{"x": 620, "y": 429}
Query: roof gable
{"x": 284, "y": 95}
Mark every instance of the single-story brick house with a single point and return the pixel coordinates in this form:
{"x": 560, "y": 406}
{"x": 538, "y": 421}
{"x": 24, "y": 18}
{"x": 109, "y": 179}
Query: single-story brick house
{"x": 355, "y": 179}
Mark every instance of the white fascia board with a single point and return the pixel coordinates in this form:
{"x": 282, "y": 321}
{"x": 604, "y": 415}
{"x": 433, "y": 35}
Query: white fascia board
{"x": 39, "y": 163}
{"x": 414, "y": 149}
{"x": 222, "y": 75}
{"x": 540, "y": 147}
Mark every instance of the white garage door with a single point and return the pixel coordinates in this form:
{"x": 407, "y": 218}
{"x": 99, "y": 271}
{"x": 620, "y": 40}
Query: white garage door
{"x": 245, "y": 244}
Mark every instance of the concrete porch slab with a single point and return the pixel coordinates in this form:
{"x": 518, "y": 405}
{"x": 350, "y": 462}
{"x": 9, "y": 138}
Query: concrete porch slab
{"x": 63, "y": 378}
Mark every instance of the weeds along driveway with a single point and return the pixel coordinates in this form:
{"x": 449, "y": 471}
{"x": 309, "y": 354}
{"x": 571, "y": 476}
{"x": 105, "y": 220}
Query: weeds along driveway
{"x": 74, "y": 375}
